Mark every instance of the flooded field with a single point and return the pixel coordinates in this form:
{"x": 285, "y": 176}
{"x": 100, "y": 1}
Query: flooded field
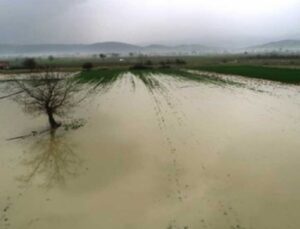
{"x": 156, "y": 151}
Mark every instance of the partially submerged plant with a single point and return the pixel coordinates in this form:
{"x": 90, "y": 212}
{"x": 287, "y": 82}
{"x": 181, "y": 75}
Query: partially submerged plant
{"x": 74, "y": 125}
{"x": 49, "y": 93}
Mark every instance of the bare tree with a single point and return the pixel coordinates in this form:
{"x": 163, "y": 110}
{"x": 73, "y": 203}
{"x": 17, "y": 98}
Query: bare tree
{"x": 102, "y": 56}
{"x": 47, "y": 93}
{"x": 29, "y": 63}
{"x": 87, "y": 66}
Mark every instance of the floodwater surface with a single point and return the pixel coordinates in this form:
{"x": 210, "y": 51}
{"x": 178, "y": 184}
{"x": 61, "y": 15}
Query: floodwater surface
{"x": 157, "y": 152}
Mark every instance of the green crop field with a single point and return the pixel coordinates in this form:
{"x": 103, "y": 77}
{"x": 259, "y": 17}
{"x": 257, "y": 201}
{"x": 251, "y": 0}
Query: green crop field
{"x": 285, "y": 75}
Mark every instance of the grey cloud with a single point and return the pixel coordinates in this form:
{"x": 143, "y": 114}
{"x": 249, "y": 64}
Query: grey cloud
{"x": 210, "y": 22}
{"x": 30, "y": 21}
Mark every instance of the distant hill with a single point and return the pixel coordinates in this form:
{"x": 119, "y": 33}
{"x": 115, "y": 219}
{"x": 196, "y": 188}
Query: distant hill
{"x": 182, "y": 49}
{"x": 153, "y": 49}
{"x": 111, "y": 47}
{"x": 61, "y": 49}
{"x": 103, "y": 47}
{"x": 278, "y": 46}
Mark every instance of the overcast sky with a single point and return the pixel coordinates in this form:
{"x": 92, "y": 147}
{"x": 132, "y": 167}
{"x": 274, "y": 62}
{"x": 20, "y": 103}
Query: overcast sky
{"x": 210, "y": 22}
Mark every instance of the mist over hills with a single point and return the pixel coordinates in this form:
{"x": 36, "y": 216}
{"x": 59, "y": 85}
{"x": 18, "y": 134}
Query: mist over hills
{"x": 126, "y": 49}
{"x": 278, "y": 46}
{"x": 104, "y": 47}
{"x": 61, "y": 49}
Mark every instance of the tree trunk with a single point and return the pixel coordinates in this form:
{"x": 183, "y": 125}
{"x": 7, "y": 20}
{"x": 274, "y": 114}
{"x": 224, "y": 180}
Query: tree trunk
{"x": 52, "y": 122}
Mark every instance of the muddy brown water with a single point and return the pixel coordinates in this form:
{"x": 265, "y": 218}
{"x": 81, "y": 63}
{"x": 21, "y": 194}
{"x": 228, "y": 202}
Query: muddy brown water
{"x": 186, "y": 155}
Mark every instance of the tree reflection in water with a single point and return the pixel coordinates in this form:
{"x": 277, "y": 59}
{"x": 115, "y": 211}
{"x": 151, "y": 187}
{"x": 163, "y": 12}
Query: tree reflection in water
{"x": 51, "y": 161}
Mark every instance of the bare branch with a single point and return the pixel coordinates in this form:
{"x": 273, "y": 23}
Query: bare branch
{"x": 49, "y": 93}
